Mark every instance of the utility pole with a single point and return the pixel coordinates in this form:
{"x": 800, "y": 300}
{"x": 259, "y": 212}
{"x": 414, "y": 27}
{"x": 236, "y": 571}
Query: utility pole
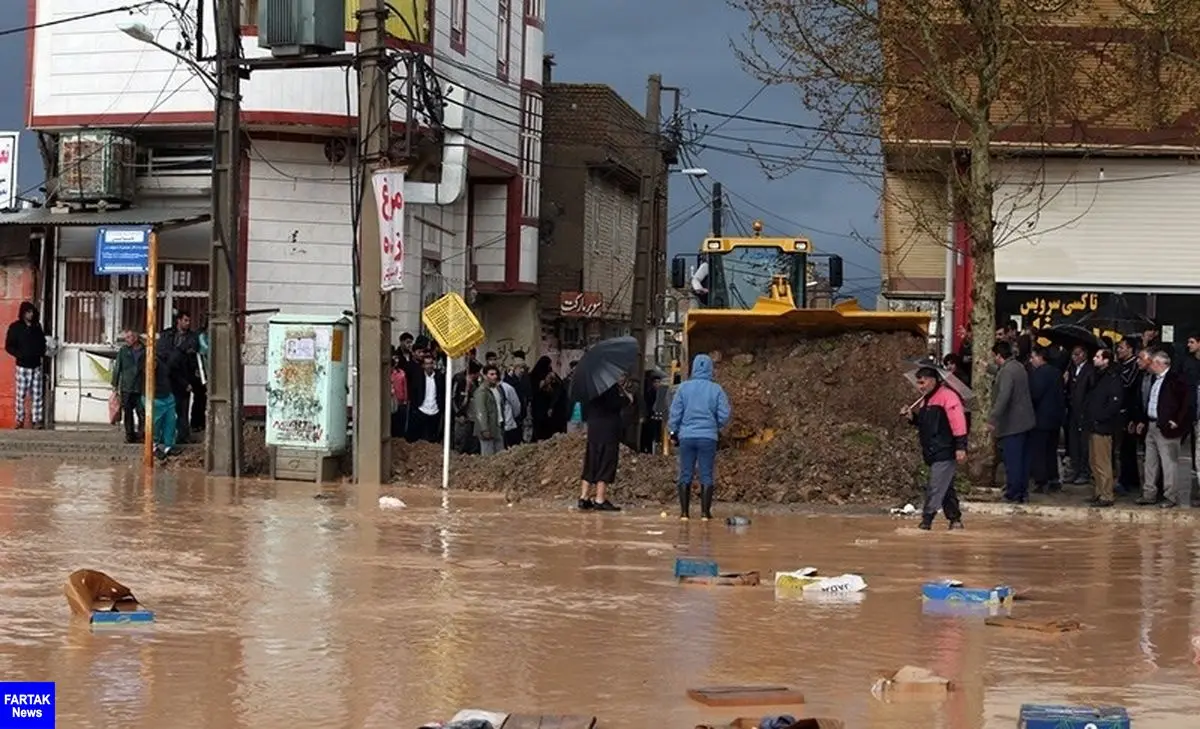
{"x": 223, "y": 434}
{"x": 718, "y": 211}
{"x": 640, "y": 306}
{"x": 372, "y": 408}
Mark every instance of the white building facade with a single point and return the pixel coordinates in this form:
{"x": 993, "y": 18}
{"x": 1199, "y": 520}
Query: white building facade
{"x": 1107, "y": 242}
{"x": 296, "y": 247}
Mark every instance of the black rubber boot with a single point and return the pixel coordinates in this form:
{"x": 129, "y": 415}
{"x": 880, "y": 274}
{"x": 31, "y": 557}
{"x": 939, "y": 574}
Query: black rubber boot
{"x": 706, "y": 499}
{"x": 926, "y": 522}
{"x": 685, "y": 500}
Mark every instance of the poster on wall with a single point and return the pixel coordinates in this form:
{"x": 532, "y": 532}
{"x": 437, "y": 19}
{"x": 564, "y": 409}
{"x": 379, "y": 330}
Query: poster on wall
{"x": 389, "y": 202}
{"x": 8, "y": 169}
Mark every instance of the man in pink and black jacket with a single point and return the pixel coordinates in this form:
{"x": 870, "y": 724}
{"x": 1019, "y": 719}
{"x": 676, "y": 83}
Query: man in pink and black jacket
{"x": 942, "y": 423}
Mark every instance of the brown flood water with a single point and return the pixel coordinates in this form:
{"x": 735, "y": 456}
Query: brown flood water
{"x": 277, "y": 610}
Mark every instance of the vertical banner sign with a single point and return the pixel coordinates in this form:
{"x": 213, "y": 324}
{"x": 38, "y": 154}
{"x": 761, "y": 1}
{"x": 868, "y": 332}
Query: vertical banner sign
{"x": 389, "y": 201}
{"x": 8, "y": 170}
{"x": 27, "y": 704}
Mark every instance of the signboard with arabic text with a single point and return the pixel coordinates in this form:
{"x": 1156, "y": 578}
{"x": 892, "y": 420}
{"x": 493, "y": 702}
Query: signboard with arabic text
{"x": 1105, "y": 314}
{"x": 580, "y": 304}
{"x": 389, "y": 202}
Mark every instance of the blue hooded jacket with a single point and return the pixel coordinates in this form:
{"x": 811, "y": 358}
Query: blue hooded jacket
{"x": 700, "y": 408}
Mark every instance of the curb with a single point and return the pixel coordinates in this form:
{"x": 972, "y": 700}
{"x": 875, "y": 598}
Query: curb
{"x": 1118, "y": 514}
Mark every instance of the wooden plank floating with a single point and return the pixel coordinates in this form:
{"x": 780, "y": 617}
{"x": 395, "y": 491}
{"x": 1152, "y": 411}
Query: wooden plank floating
{"x": 746, "y": 696}
{"x": 1040, "y": 626}
{"x": 548, "y": 721}
{"x": 730, "y": 579}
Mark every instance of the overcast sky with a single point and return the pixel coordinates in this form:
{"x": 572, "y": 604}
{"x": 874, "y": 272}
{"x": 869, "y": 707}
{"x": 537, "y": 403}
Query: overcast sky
{"x": 621, "y": 42}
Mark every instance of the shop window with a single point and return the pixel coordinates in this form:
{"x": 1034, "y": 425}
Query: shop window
{"x": 96, "y": 309}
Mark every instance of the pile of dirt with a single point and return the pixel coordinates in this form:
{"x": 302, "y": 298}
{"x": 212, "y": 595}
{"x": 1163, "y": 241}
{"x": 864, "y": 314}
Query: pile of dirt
{"x": 814, "y": 421}
{"x": 256, "y": 457}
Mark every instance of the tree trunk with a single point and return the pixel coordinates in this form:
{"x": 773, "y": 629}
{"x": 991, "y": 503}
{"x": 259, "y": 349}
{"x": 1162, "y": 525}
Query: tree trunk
{"x": 979, "y": 202}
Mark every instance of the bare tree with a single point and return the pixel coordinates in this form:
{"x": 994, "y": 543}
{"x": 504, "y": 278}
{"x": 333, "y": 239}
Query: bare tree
{"x": 941, "y": 87}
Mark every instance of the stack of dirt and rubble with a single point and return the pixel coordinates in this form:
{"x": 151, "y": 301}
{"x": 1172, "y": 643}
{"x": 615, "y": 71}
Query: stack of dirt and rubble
{"x": 814, "y": 421}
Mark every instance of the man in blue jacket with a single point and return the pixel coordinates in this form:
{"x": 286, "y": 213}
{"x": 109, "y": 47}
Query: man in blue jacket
{"x": 699, "y": 410}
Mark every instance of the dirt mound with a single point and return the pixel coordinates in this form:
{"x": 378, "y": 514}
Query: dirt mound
{"x": 256, "y": 457}
{"x": 813, "y": 421}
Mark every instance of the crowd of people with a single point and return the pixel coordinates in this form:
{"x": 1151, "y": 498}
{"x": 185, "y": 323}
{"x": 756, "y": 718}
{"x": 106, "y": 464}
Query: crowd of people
{"x": 1125, "y": 411}
{"x": 493, "y": 406}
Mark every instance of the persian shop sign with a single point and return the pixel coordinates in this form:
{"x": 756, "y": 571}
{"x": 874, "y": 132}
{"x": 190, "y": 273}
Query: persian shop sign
{"x": 580, "y": 304}
{"x": 1043, "y": 312}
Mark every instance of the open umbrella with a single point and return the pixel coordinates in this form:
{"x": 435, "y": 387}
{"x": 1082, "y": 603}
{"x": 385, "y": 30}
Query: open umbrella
{"x": 602, "y": 366}
{"x": 949, "y": 379}
{"x": 1069, "y": 336}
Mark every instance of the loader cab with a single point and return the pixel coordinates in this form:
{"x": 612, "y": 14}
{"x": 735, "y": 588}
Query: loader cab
{"x": 740, "y": 271}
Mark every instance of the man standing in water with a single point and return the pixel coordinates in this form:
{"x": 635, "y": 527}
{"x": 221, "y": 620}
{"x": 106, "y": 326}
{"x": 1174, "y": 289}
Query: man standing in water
{"x": 942, "y": 426}
{"x": 699, "y": 410}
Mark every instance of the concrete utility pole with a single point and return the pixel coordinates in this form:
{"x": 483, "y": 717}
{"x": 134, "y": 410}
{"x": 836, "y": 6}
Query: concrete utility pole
{"x": 718, "y": 210}
{"x": 372, "y": 410}
{"x": 640, "y": 306}
{"x": 223, "y": 434}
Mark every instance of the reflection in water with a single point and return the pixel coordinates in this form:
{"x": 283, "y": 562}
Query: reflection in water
{"x": 278, "y": 610}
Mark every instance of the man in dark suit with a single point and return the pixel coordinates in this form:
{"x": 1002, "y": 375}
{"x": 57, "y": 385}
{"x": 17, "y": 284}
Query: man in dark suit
{"x": 427, "y": 397}
{"x": 1050, "y": 407}
{"x": 1079, "y": 376}
{"x": 1166, "y": 423}
{"x": 1129, "y": 477}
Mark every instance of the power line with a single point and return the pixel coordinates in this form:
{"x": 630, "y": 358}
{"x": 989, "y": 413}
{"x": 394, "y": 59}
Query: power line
{"x": 82, "y": 16}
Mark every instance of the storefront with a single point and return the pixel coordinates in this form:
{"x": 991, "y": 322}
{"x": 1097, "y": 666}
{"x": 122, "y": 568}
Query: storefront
{"x": 86, "y": 312}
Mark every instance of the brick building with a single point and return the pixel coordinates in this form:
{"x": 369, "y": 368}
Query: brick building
{"x": 595, "y": 149}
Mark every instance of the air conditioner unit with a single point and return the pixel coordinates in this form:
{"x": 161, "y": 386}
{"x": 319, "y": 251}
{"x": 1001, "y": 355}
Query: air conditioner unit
{"x": 97, "y": 168}
{"x": 292, "y": 28}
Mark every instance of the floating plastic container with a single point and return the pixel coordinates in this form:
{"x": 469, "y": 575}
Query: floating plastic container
{"x": 958, "y": 609}
{"x": 955, "y": 591}
{"x": 1041, "y": 716}
{"x": 115, "y": 619}
{"x": 695, "y": 568}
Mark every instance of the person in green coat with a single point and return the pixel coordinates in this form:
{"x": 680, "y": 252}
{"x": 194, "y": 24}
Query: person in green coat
{"x": 128, "y": 380}
{"x": 487, "y": 412}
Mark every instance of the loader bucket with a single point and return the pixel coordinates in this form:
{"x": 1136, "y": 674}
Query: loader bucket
{"x": 772, "y": 321}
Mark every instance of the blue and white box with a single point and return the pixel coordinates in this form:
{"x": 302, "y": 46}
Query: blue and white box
{"x": 1044, "y": 716}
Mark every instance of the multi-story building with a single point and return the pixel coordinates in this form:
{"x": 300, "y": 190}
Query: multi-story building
{"x": 88, "y": 78}
{"x": 596, "y": 149}
{"x": 1094, "y": 209}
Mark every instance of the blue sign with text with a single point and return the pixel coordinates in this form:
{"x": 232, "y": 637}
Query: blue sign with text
{"x": 27, "y": 705}
{"x": 122, "y": 251}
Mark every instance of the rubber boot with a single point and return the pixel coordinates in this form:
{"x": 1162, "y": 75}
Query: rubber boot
{"x": 706, "y": 499}
{"x": 685, "y": 500}
{"x": 926, "y": 522}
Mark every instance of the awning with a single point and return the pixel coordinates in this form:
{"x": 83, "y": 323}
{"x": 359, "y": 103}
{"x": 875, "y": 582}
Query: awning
{"x": 161, "y": 218}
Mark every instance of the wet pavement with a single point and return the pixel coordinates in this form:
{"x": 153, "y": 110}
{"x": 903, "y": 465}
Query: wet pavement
{"x": 276, "y": 609}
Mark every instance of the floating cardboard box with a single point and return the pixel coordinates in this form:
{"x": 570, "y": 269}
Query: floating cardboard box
{"x": 910, "y": 683}
{"x": 729, "y": 579}
{"x": 746, "y": 696}
{"x": 955, "y": 591}
{"x": 1042, "y": 716}
{"x": 103, "y": 601}
{"x": 686, "y": 567}
{"x": 806, "y": 579}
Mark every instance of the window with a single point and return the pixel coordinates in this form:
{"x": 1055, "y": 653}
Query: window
{"x": 458, "y": 25}
{"x": 96, "y": 309}
{"x": 531, "y": 153}
{"x": 503, "y": 38}
{"x": 535, "y": 11}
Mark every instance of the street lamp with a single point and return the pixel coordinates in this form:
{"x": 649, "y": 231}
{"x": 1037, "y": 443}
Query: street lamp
{"x": 139, "y": 32}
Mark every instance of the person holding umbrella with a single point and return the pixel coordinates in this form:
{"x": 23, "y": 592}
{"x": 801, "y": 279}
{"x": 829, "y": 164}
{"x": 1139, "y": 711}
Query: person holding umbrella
{"x": 599, "y": 382}
{"x": 942, "y": 425}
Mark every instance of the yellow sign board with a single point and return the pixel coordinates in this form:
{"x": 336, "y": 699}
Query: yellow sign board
{"x": 408, "y": 21}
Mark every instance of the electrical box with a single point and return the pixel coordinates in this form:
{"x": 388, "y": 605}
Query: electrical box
{"x": 307, "y": 382}
{"x": 292, "y": 28}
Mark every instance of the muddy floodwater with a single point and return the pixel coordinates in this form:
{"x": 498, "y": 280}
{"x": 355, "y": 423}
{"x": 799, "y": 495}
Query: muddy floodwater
{"x": 276, "y": 610}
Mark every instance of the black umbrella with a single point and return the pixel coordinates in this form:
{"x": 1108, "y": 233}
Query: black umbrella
{"x": 1069, "y": 336}
{"x": 602, "y": 366}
